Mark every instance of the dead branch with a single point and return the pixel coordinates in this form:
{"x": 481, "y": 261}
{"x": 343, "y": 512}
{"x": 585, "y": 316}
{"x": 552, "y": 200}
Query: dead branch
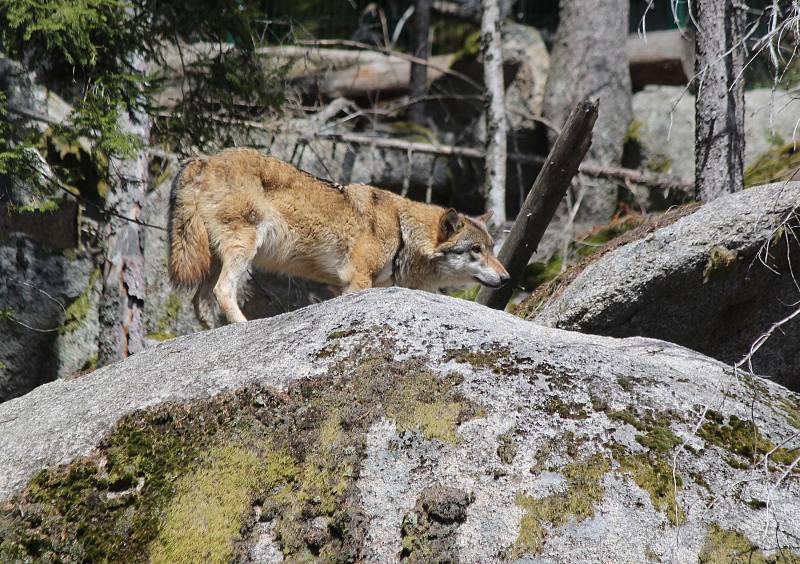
{"x": 634, "y": 176}
{"x": 548, "y": 190}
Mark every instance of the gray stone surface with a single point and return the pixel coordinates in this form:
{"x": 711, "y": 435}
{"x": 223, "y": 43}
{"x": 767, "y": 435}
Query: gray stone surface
{"x": 664, "y": 126}
{"x": 536, "y": 366}
{"x": 39, "y": 288}
{"x": 701, "y": 282}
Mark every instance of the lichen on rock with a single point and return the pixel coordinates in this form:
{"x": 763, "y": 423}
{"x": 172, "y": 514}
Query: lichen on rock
{"x": 186, "y": 482}
{"x": 583, "y": 492}
{"x": 554, "y": 437}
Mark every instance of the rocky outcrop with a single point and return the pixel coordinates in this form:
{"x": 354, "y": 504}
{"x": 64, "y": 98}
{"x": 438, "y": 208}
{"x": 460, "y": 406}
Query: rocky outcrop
{"x": 715, "y": 281}
{"x": 394, "y": 424}
{"x": 48, "y": 316}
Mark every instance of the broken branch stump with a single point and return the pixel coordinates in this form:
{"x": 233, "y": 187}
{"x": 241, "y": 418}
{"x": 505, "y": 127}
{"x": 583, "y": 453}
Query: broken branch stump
{"x": 542, "y": 201}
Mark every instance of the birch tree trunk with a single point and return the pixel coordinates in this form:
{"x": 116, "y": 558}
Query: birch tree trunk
{"x": 122, "y": 300}
{"x": 496, "y": 125}
{"x": 719, "y": 105}
{"x": 589, "y": 60}
{"x": 419, "y": 72}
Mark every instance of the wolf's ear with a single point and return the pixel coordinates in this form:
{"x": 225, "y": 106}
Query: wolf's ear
{"x": 449, "y": 224}
{"x": 486, "y": 218}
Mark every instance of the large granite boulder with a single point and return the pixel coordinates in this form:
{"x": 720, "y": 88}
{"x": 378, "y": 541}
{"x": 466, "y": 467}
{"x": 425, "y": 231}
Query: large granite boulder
{"x": 714, "y": 280}
{"x": 662, "y": 131}
{"x": 398, "y": 425}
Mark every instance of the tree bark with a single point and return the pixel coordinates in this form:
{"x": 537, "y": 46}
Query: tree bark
{"x": 122, "y": 300}
{"x": 719, "y": 105}
{"x": 496, "y": 124}
{"x": 419, "y": 72}
{"x": 541, "y": 202}
{"x": 589, "y": 59}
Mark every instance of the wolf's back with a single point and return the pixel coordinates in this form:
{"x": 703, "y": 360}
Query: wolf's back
{"x": 189, "y": 250}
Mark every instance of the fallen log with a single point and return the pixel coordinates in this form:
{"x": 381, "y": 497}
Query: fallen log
{"x": 389, "y": 76}
{"x": 541, "y": 202}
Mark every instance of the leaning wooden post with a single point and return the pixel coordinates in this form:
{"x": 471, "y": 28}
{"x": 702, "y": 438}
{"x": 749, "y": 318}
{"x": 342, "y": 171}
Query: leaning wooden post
{"x": 542, "y": 201}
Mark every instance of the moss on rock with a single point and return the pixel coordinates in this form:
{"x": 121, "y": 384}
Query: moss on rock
{"x": 774, "y": 165}
{"x": 76, "y": 312}
{"x": 506, "y": 449}
{"x": 732, "y": 547}
{"x": 566, "y": 410}
{"x": 743, "y": 438}
{"x": 493, "y": 356}
{"x": 208, "y": 508}
{"x": 720, "y": 261}
{"x": 792, "y": 411}
{"x": 187, "y": 482}
{"x": 654, "y": 475}
{"x": 583, "y": 492}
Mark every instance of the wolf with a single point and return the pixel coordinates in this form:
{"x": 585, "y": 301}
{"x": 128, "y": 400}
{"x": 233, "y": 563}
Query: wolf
{"x": 240, "y": 208}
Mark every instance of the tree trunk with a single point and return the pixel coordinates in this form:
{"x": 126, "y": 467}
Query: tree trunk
{"x": 122, "y": 301}
{"x": 589, "y": 59}
{"x": 496, "y": 125}
{"x": 418, "y": 77}
{"x": 719, "y": 105}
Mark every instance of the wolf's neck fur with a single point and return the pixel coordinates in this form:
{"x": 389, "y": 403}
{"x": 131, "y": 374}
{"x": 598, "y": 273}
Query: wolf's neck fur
{"x": 414, "y": 263}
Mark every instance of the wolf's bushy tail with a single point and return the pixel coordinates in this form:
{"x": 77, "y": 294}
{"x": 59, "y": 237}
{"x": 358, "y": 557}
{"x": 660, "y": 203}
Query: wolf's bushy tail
{"x": 189, "y": 250}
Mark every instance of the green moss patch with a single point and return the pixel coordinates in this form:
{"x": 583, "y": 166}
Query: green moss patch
{"x": 583, "y": 492}
{"x": 187, "y": 482}
{"x": 654, "y": 475}
{"x": 565, "y": 410}
{"x": 659, "y": 439}
{"x": 469, "y": 294}
{"x": 76, "y": 312}
{"x": 732, "y": 547}
{"x": 720, "y": 262}
{"x": 775, "y": 165}
{"x": 170, "y": 310}
{"x": 625, "y": 383}
{"x": 792, "y": 411}
{"x": 161, "y": 335}
{"x": 742, "y": 438}
{"x": 495, "y": 357}
{"x": 641, "y": 419}
{"x": 208, "y": 508}
{"x": 506, "y": 448}
{"x": 428, "y": 404}
{"x": 651, "y": 470}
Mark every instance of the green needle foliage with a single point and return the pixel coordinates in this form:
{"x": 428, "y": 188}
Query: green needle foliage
{"x": 84, "y": 51}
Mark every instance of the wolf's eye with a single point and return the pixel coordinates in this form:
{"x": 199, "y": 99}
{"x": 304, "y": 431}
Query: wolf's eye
{"x": 476, "y": 249}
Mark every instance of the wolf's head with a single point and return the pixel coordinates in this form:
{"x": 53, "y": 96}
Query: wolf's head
{"x": 464, "y": 252}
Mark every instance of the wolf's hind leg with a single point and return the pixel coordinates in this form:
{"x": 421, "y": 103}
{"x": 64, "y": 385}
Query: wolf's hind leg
{"x": 203, "y": 300}
{"x": 227, "y": 287}
{"x": 236, "y": 255}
